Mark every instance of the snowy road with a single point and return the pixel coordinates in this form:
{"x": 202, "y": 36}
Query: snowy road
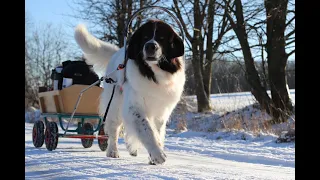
{"x": 191, "y": 157}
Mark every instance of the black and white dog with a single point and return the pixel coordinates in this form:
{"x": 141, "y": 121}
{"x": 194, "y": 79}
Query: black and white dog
{"x": 155, "y": 74}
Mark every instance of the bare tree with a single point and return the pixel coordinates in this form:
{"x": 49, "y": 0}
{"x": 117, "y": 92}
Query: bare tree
{"x": 204, "y": 42}
{"x": 228, "y": 76}
{"x": 277, "y": 57}
{"x": 29, "y": 93}
{"x": 279, "y": 106}
{"x": 45, "y": 48}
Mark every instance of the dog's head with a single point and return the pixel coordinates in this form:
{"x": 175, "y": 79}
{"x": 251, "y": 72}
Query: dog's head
{"x": 155, "y": 41}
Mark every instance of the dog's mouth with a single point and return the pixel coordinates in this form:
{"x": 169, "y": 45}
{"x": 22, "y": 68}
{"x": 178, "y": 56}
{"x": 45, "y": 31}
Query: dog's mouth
{"x": 151, "y": 58}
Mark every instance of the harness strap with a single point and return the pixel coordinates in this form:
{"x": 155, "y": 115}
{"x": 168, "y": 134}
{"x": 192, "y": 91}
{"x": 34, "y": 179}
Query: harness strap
{"x": 111, "y": 81}
{"x": 105, "y": 114}
{"x": 124, "y": 73}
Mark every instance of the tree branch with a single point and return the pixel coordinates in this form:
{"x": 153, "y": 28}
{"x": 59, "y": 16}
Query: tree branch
{"x": 290, "y": 21}
{"x": 204, "y": 6}
{"x": 290, "y": 53}
{"x": 232, "y": 23}
{"x": 178, "y": 13}
{"x": 254, "y": 14}
{"x": 239, "y": 49}
{"x": 290, "y": 42}
{"x": 290, "y": 34}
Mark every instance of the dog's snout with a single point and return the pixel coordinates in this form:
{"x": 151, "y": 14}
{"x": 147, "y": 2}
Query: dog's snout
{"x": 152, "y": 51}
{"x": 151, "y": 47}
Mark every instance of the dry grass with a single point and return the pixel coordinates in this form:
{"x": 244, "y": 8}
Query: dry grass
{"x": 236, "y": 112}
{"x": 182, "y": 125}
{"x": 256, "y": 123}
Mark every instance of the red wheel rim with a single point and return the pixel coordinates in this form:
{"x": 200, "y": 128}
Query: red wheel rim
{"x": 47, "y": 136}
{"x": 34, "y": 134}
{"x": 101, "y": 132}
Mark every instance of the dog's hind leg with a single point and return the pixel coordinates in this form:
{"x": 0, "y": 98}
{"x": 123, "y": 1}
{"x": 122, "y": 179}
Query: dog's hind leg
{"x": 113, "y": 123}
{"x": 112, "y": 127}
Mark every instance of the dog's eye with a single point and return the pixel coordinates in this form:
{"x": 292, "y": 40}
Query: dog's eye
{"x": 161, "y": 38}
{"x": 145, "y": 37}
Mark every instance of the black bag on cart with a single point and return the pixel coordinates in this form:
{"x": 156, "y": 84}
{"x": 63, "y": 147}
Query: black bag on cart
{"x": 80, "y": 73}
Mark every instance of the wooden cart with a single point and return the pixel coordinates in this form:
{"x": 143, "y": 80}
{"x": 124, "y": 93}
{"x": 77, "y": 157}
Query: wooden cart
{"x": 60, "y": 104}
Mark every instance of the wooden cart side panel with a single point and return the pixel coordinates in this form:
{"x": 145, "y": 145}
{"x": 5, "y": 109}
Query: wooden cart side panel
{"x": 42, "y": 105}
{"x": 58, "y": 103}
{"x": 49, "y": 102}
{"x": 89, "y": 103}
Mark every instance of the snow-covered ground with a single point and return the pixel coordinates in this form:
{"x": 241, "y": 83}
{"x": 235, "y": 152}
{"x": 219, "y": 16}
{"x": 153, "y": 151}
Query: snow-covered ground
{"x": 205, "y": 154}
{"x": 191, "y": 155}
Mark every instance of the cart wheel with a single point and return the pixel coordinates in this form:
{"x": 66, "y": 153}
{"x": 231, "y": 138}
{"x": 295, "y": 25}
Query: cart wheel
{"x": 103, "y": 143}
{"x": 51, "y": 136}
{"x": 38, "y": 134}
{"x": 87, "y": 143}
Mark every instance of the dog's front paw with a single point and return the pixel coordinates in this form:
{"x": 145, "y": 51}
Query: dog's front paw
{"x": 157, "y": 157}
{"x": 151, "y": 163}
{"x": 132, "y": 151}
{"x": 112, "y": 153}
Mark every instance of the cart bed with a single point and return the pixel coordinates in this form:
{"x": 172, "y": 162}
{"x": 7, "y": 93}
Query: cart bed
{"x": 63, "y": 101}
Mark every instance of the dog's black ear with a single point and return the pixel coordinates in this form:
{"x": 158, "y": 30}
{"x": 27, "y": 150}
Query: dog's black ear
{"x": 134, "y": 44}
{"x": 176, "y": 46}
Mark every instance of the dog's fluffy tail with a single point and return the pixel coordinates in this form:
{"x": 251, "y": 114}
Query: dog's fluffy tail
{"x": 96, "y": 52}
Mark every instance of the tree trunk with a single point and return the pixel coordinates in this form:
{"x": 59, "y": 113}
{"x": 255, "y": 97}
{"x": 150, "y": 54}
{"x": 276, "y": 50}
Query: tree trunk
{"x": 140, "y": 17}
{"x": 207, "y": 76}
{"x": 202, "y": 98}
{"x": 277, "y": 58}
{"x": 252, "y": 76}
{"x": 129, "y": 13}
{"x": 201, "y": 52}
{"x": 121, "y": 15}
